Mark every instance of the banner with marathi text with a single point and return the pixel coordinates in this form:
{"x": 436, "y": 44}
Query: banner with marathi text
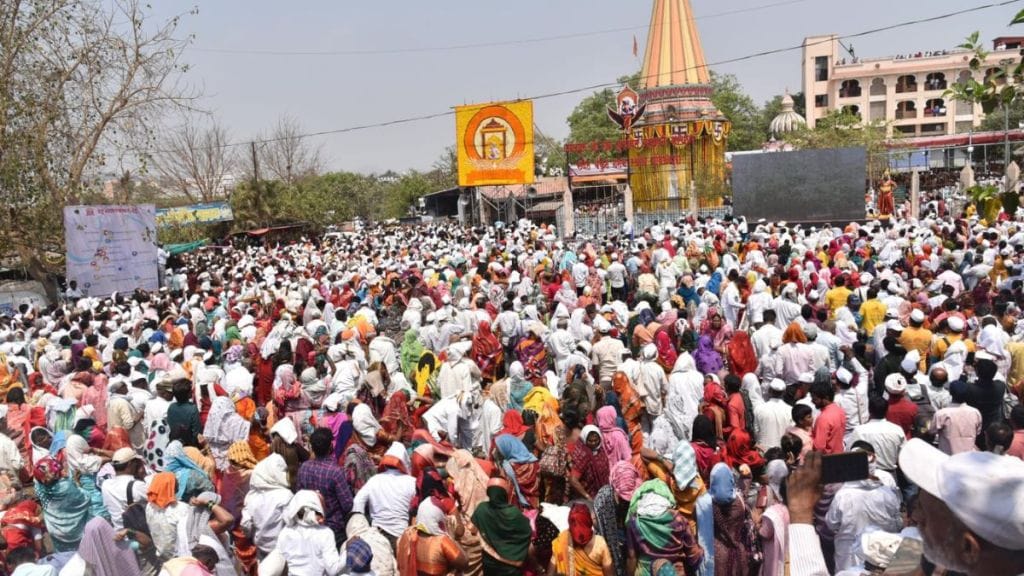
{"x": 194, "y": 214}
{"x": 111, "y": 248}
{"x": 495, "y": 143}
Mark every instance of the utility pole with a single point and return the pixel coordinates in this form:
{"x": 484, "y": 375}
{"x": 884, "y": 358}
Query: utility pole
{"x": 256, "y": 181}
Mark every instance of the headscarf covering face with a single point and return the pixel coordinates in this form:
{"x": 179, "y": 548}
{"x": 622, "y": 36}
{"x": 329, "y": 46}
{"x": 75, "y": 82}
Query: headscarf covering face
{"x": 303, "y": 509}
{"x": 776, "y": 471}
{"x": 581, "y": 525}
{"x": 269, "y": 474}
{"x": 365, "y": 425}
{"x": 78, "y": 457}
{"x": 430, "y": 519}
{"x": 723, "y": 484}
{"x": 161, "y": 492}
{"x": 48, "y": 471}
{"x": 624, "y": 479}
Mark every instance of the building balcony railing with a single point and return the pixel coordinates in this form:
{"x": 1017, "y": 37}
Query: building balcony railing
{"x": 933, "y": 113}
{"x": 939, "y": 85}
{"x": 903, "y": 89}
{"x": 906, "y": 114}
{"x": 850, "y": 93}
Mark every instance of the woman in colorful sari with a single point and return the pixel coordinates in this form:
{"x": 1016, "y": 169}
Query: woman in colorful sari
{"x": 224, "y": 427}
{"x": 426, "y": 549}
{"x": 658, "y": 536}
{"x": 487, "y": 352}
{"x": 505, "y": 533}
{"x": 589, "y": 464}
{"x": 469, "y": 482}
{"x": 578, "y": 551}
{"x": 694, "y": 502}
{"x": 631, "y": 408}
{"x": 613, "y": 439}
{"x": 396, "y": 420}
{"x": 732, "y": 552}
{"x": 610, "y": 507}
{"x": 518, "y": 386}
{"x": 742, "y": 357}
{"x": 705, "y": 446}
{"x": 714, "y": 404}
{"x": 739, "y": 451}
{"x": 521, "y": 469}
{"x": 533, "y": 354}
{"x": 84, "y": 466}
{"x": 234, "y": 487}
{"x": 708, "y": 360}
{"x": 720, "y": 332}
{"x": 666, "y": 349}
{"x": 66, "y": 508}
{"x": 188, "y": 473}
{"x": 646, "y": 328}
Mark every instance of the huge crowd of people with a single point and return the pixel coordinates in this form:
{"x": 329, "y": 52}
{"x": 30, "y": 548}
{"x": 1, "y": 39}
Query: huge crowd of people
{"x": 428, "y": 400}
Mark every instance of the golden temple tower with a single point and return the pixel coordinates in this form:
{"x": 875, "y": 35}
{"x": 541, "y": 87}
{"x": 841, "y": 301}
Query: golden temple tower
{"x": 681, "y": 137}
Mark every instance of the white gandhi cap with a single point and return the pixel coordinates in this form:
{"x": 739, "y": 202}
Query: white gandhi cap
{"x": 984, "y": 490}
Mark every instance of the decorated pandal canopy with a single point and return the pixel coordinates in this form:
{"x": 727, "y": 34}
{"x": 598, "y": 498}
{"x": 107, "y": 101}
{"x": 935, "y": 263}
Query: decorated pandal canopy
{"x": 678, "y": 136}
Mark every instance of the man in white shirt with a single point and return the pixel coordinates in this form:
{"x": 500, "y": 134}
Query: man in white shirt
{"x": 616, "y": 275}
{"x": 606, "y": 353}
{"x": 773, "y": 418}
{"x": 765, "y": 334}
{"x": 886, "y": 438}
{"x": 129, "y": 485}
{"x": 389, "y": 495}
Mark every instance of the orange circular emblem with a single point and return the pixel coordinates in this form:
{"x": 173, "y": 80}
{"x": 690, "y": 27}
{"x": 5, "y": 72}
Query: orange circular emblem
{"x": 494, "y": 133}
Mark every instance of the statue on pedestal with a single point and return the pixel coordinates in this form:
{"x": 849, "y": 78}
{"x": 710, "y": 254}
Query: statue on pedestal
{"x": 886, "y": 202}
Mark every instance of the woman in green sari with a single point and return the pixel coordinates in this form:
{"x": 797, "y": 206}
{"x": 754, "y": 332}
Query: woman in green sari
{"x": 657, "y": 536}
{"x": 66, "y": 508}
{"x": 505, "y": 533}
{"x": 410, "y": 352}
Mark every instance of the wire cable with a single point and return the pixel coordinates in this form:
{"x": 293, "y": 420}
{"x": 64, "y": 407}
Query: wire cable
{"x": 456, "y": 47}
{"x": 603, "y": 85}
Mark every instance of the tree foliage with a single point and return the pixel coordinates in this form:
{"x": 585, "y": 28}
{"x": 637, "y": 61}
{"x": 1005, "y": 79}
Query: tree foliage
{"x": 749, "y": 132}
{"x": 80, "y": 82}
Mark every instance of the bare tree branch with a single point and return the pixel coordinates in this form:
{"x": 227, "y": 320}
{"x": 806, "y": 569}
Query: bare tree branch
{"x": 286, "y": 155}
{"x": 196, "y": 161}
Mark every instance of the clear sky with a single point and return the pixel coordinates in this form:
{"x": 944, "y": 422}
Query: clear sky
{"x": 249, "y": 91}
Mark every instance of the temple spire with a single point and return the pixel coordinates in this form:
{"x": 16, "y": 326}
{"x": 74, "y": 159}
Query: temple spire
{"x": 674, "y": 55}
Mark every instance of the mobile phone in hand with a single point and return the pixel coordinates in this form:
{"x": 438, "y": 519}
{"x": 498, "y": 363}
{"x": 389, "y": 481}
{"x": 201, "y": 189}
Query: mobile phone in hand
{"x": 844, "y": 467}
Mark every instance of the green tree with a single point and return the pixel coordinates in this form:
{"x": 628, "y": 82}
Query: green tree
{"x": 748, "y": 130}
{"x": 996, "y": 120}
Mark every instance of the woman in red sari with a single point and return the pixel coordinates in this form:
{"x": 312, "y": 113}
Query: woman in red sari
{"x": 487, "y": 352}
{"x": 714, "y": 404}
{"x": 396, "y": 420}
{"x": 533, "y": 354}
{"x": 742, "y": 357}
{"x": 738, "y": 451}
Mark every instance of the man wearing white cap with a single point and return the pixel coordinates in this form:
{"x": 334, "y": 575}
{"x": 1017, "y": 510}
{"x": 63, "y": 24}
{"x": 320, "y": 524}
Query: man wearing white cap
{"x": 917, "y": 337}
{"x": 970, "y": 509}
{"x": 606, "y": 353}
{"x": 772, "y": 418}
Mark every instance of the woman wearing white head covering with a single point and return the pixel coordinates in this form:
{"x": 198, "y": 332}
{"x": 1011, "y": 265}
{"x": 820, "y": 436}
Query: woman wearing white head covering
{"x": 688, "y": 383}
{"x": 224, "y": 427}
{"x": 365, "y": 425}
{"x": 305, "y": 544}
{"x": 269, "y": 494}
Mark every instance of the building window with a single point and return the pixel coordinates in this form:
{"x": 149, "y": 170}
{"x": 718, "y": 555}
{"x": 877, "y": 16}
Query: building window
{"x": 821, "y": 101}
{"x": 907, "y": 130}
{"x": 906, "y": 109}
{"x": 821, "y": 68}
{"x": 877, "y": 111}
{"x": 878, "y": 87}
{"x": 997, "y": 75}
{"x": 852, "y": 110}
{"x": 933, "y": 129}
{"x": 964, "y": 127}
{"x": 936, "y": 107}
{"x": 935, "y": 81}
{"x": 906, "y": 83}
{"x": 849, "y": 89}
